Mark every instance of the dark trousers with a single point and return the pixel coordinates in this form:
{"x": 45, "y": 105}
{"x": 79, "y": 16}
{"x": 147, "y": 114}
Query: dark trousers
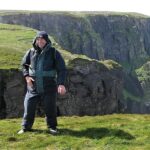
{"x": 30, "y": 101}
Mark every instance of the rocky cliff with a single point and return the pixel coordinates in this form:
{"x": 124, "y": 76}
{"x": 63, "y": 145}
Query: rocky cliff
{"x": 92, "y": 88}
{"x": 124, "y": 38}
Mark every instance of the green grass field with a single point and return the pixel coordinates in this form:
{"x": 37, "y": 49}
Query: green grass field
{"x": 14, "y": 41}
{"x": 109, "y": 132}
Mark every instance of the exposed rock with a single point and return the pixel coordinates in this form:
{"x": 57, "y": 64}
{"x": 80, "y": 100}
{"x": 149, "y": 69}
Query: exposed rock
{"x": 133, "y": 85}
{"x": 123, "y": 38}
{"x": 131, "y": 106}
{"x": 13, "y": 94}
{"x": 2, "y": 101}
{"x": 92, "y": 89}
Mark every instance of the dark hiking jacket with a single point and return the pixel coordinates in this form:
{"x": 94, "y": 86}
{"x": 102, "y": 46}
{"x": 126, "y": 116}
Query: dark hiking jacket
{"x": 46, "y": 66}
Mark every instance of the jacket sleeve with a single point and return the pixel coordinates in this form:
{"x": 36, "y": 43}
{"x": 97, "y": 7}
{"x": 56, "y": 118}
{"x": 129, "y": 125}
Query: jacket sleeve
{"x": 25, "y": 64}
{"x": 60, "y": 68}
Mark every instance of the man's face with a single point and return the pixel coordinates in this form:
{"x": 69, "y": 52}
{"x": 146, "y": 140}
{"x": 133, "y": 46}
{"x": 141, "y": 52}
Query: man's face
{"x": 40, "y": 42}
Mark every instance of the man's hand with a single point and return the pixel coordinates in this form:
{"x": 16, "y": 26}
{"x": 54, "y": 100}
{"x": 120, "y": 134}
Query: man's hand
{"x": 61, "y": 89}
{"x": 29, "y": 81}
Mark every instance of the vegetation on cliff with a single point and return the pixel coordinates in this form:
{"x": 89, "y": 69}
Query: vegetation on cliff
{"x": 143, "y": 74}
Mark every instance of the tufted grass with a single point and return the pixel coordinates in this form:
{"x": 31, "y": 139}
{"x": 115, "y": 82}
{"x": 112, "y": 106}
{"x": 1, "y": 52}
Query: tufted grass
{"x": 109, "y": 132}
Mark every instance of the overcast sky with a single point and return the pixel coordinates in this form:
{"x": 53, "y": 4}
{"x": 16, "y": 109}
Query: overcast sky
{"x": 140, "y": 6}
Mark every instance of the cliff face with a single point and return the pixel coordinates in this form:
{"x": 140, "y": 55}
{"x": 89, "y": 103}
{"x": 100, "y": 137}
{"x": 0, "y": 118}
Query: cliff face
{"x": 2, "y": 101}
{"x": 122, "y": 38}
{"x": 92, "y": 89}
{"x": 125, "y": 39}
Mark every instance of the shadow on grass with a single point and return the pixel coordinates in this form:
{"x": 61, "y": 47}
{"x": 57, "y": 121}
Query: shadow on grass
{"x": 92, "y": 133}
{"x": 40, "y": 131}
{"x": 98, "y": 133}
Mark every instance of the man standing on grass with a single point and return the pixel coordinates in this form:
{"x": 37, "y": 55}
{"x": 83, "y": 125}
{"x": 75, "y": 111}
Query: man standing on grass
{"x": 45, "y": 72}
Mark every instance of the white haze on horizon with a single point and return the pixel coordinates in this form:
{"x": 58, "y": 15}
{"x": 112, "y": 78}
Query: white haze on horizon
{"x": 139, "y": 6}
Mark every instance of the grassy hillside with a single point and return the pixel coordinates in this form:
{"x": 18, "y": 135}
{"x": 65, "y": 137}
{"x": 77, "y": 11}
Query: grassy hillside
{"x": 15, "y": 40}
{"x": 77, "y": 13}
{"x": 110, "y": 132}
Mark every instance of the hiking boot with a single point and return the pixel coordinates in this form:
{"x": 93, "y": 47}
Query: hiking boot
{"x": 53, "y": 131}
